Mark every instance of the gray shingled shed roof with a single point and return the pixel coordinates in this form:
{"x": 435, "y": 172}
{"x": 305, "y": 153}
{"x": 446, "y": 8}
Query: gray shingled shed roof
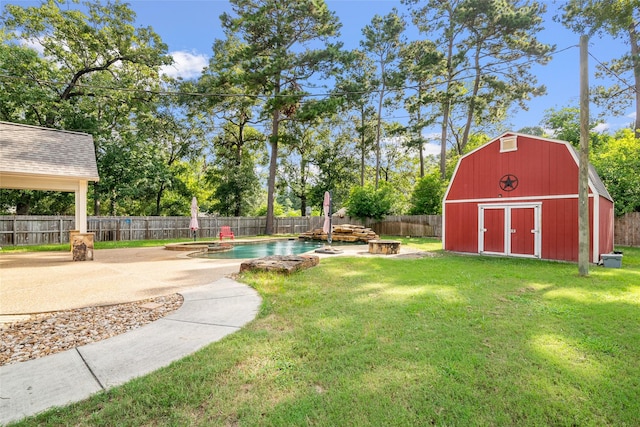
{"x": 594, "y": 177}
{"x": 41, "y": 152}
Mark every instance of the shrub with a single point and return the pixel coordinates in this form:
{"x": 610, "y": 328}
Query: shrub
{"x": 426, "y": 198}
{"x": 367, "y": 202}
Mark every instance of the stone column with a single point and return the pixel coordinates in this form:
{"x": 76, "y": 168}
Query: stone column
{"x": 82, "y": 247}
{"x": 72, "y": 233}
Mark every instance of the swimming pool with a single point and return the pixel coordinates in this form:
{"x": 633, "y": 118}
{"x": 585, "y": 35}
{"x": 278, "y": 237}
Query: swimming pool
{"x": 261, "y": 249}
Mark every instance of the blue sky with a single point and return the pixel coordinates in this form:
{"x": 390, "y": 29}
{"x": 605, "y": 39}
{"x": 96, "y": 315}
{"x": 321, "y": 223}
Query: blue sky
{"x": 189, "y": 28}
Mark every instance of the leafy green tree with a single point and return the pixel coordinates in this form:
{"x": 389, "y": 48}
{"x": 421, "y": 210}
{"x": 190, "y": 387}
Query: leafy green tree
{"x": 172, "y": 137}
{"x": 233, "y": 174}
{"x": 96, "y": 70}
{"x": 79, "y": 46}
{"x": 300, "y": 142}
{"x": 337, "y": 167}
{"x": 278, "y": 210}
{"x": 356, "y": 86}
{"x": 564, "y": 124}
{"x": 22, "y": 98}
{"x": 398, "y": 165}
{"x": 285, "y": 44}
{"x": 501, "y": 34}
{"x": 437, "y": 20}
{"x": 479, "y": 41}
{"x": 619, "y": 19}
{"x": 369, "y": 202}
{"x": 426, "y": 198}
{"x": 27, "y": 202}
{"x": 420, "y": 63}
{"x": 383, "y": 41}
{"x": 532, "y": 130}
{"x": 617, "y": 161}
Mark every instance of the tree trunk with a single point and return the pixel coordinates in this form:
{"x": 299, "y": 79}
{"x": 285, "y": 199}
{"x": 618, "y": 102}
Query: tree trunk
{"x": 421, "y": 159}
{"x": 273, "y": 164}
{"x": 159, "y": 198}
{"x": 583, "y": 182}
{"x": 472, "y": 104}
{"x": 303, "y": 184}
{"x": 443, "y": 139}
{"x": 363, "y": 141}
{"x": 635, "y": 60}
{"x": 238, "y": 161}
{"x": 419, "y": 132}
{"x": 446, "y": 106}
{"x": 378, "y": 126}
{"x": 303, "y": 205}
{"x": 22, "y": 206}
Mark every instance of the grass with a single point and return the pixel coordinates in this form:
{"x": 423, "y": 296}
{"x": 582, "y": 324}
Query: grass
{"x": 447, "y": 340}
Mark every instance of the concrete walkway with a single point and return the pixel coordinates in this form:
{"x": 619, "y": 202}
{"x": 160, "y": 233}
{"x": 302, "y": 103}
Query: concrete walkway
{"x": 208, "y": 313}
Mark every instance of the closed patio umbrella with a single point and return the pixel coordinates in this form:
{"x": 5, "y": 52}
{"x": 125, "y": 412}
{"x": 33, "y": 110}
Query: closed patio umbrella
{"x": 326, "y": 207}
{"x": 193, "y": 225}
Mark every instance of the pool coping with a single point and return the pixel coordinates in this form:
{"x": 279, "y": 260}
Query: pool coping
{"x": 199, "y": 248}
{"x": 204, "y": 244}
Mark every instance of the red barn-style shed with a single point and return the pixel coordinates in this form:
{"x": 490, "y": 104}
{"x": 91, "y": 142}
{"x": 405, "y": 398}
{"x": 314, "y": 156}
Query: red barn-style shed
{"x": 517, "y": 195}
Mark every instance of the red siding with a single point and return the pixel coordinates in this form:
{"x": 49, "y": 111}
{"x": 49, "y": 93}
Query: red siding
{"x": 560, "y": 229}
{"x": 544, "y": 168}
{"x": 606, "y": 226}
{"x": 461, "y": 227}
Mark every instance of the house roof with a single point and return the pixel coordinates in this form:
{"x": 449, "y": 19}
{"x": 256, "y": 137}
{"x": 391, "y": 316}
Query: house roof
{"x": 38, "y": 152}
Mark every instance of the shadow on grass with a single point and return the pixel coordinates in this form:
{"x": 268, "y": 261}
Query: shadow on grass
{"x": 453, "y": 340}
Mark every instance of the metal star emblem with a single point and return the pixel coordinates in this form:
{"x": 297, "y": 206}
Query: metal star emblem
{"x": 509, "y": 182}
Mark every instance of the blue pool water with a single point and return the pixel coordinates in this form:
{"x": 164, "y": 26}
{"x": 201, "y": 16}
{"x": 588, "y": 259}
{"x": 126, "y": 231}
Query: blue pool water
{"x": 261, "y": 249}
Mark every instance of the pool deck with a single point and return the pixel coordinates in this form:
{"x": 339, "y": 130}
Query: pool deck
{"x": 38, "y": 282}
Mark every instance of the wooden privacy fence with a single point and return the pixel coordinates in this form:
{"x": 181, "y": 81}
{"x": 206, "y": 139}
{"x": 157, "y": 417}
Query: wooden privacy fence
{"x": 37, "y": 230}
{"x": 627, "y": 229}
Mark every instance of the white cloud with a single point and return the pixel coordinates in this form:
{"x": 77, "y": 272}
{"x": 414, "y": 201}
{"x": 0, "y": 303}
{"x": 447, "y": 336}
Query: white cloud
{"x": 601, "y": 127}
{"x": 33, "y": 44}
{"x": 631, "y": 116}
{"x": 432, "y": 148}
{"x": 186, "y": 65}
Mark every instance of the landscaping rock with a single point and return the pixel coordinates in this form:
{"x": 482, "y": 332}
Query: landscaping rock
{"x": 286, "y": 264}
{"x": 342, "y": 233}
{"x": 33, "y": 336}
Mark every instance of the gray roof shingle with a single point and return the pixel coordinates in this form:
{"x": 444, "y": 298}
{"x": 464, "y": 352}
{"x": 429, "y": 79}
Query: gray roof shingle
{"x": 37, "y": 151}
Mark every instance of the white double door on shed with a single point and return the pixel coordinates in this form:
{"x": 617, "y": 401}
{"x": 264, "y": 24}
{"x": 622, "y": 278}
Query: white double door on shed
{"x": 510, "y": 229}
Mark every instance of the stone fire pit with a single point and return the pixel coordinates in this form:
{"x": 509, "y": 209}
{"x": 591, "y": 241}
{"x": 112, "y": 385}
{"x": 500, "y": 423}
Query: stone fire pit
{"x": 384, "y": 247}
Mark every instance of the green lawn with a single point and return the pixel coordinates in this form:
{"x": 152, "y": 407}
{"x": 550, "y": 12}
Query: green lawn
{"x": 445, "y": 340}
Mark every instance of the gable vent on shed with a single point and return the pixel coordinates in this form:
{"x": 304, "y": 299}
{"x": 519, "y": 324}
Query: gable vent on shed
{"x": 508, "y": 143}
